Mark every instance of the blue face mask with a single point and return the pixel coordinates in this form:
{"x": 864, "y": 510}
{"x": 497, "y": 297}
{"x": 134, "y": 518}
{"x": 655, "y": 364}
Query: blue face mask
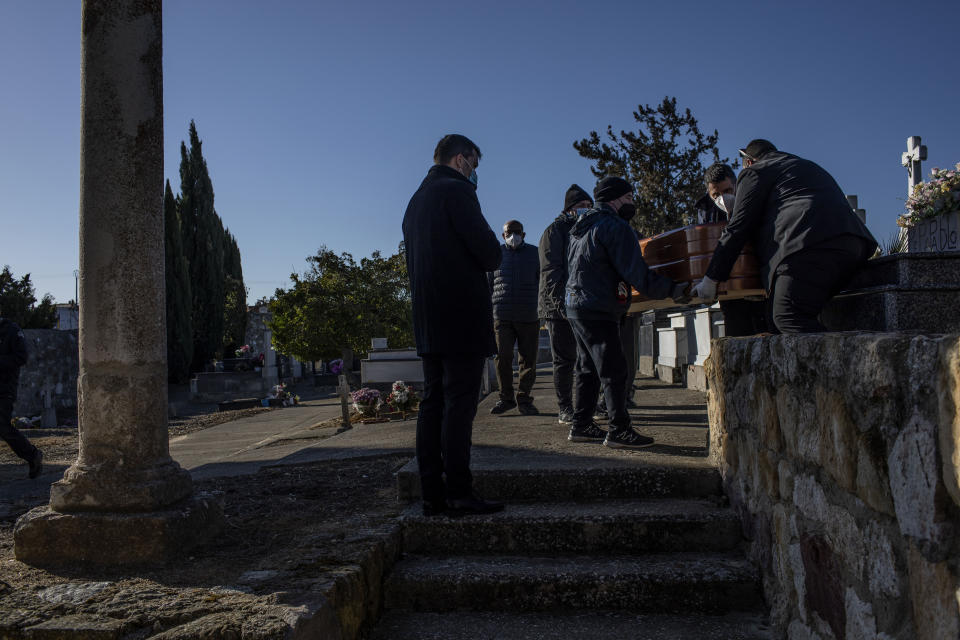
{"x": 473, "y": 175}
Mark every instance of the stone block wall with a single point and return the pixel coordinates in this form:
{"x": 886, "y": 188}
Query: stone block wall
{"x": 841, "y": 452}
{"x": 53, "y": 361}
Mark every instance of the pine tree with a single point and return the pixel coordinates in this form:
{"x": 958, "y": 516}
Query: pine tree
{"x": 179, "y": 325}
{"x": 663, "y": 161}
{"x": 203, "y": 246}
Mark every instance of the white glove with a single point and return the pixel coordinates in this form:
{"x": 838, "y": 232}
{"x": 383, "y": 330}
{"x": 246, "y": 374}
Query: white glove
{"x": 706, "y": 289}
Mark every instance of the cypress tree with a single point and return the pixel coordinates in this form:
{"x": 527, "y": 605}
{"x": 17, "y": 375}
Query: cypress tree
{"x": 179, "y": 325}
{"x": 235, "y": 303}
{"x": 203, "y": 246}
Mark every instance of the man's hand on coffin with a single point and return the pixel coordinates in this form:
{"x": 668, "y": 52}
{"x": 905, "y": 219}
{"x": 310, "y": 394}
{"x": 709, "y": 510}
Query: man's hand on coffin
{"x": 706, "y": 289}
{"x": 680, "y": 293}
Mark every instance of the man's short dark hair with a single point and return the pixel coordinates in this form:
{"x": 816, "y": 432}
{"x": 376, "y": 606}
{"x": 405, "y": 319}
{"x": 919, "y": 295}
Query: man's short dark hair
{"x": 513, "y": 224}
{"x": 452, "y": 145}
{"x": 757, "y": 149}
{"x": 718, "y": 172}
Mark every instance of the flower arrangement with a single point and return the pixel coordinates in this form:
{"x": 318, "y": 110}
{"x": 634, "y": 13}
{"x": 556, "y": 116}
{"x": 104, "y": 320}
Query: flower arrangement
{"x": 941, "y": 194}
{"x": 279, "y": 392}
{"x": 366, "y": 401}
{"x": 243, "y": 351}
{"x": 402, "y": 397}
{"x": 336, "y": 366}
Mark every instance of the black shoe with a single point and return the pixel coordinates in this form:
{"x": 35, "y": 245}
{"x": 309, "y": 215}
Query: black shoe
{"x": 627, "y": 439}
{"x": 434, "y": 507}
{"x": 36, "y": 464}
{"x": 528, "y": 409}
{"x": 565, "y": 416}
{"x": 501, "y": 406}
{"x": 472, "y": 505}
{"x": 589, "y": 433}
{"x": 600, "y": 414}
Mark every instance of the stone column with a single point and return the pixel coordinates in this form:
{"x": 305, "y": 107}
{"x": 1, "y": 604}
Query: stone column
{"x": 124, "y": 500}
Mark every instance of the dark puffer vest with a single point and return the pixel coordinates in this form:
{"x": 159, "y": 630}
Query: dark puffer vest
{"x": 515, "y": 284}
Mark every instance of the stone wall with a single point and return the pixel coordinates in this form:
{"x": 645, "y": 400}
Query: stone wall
{"x": 51, "y": 371}
{"x": 841, "y": 452}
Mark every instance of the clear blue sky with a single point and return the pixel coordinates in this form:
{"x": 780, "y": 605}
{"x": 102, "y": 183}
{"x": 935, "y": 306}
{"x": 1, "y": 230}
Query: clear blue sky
{"x": 319, "y": 119}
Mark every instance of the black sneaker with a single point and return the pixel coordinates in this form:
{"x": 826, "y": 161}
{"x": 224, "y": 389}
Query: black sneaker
{"x": 627, "y": 439}
{"x": 527, "y": 409}
{"x": 600, "y": 414}
{"x": 565, "y": 416}
{"x": 434, "y": 507}
{"x": 502, "y": 406}
{"x": 36, "y": 464}
{"x": 589, "y": 433}
{"x": 472, "y": 505}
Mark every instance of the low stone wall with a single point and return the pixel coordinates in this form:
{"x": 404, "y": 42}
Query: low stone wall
{"x": 53, "y": 360}
{"x": 841, "y": 452}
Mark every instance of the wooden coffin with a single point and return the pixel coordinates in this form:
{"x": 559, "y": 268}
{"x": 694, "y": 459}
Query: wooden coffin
{"x": 684, "y": 254}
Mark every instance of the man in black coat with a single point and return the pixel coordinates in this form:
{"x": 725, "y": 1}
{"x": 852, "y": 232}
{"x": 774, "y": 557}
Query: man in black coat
{"x": 602, "y": 256}
{"x": 514, "y": 293}
{"x": 808, "y": 241}
{"x": 553, "y": 285}
{"x": 13, "y": 355}
{"x": 740, "y": 317}
{"x": 450, "y": 248}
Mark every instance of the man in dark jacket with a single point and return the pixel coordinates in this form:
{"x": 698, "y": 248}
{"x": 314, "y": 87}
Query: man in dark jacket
{"x": 553, "y": 284}
{"x": 740, "y": 317}
{"x": 808, "y": 241}
{"x": 514, "y": 293}
{"x": 450, "y": 248}
{"x": 13, "y": 355}
{"x": 604, "y": 253}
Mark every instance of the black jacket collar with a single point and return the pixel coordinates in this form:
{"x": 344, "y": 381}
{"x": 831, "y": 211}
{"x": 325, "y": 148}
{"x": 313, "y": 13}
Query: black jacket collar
{"x": 443, "y": 171}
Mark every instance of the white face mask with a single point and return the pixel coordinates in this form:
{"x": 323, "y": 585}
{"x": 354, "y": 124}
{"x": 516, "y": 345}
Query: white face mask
{"x": 514, "y": 240}
{"x": 725, "y": 202}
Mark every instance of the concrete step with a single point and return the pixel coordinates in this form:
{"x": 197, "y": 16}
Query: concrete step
{"x": 621, "y": 526}
{"x": 527, "y": 476}
{"x": 608, "y": 625}
{"x": 662, "y": 583}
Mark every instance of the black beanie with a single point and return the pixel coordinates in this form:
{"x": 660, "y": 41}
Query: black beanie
{"x": 574, "y": 195}
{"x": 611, "y": 188}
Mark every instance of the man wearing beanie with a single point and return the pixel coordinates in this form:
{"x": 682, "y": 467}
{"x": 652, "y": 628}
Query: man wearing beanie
{"x": 808, "y": 240}
{"x": 553, "y": 284}
{"x": 603, "y": 253}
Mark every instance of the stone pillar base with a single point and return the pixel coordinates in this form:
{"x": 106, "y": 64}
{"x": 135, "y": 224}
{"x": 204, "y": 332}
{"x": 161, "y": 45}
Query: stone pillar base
{"x": 47, "y": 538}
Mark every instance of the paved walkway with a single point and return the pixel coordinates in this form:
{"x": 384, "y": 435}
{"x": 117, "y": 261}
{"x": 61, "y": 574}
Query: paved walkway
{"x": 675, "y": 416}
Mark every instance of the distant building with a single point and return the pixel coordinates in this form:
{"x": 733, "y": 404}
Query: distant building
{"x": 68, "y": 316}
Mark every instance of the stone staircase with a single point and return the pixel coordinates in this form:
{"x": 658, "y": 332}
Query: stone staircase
{"x": 576, "y": 554}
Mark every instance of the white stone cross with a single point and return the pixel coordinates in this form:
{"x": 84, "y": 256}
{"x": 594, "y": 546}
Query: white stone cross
{"x": 911, "y": 160}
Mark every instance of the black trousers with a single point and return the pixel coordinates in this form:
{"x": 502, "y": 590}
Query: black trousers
{"x": 629, "y": 339}
{"x": 17, "y": 441}
{"x": 805, "y": 281}
{"x": 451, "y": 390}
{"x": 563, "y": 347}
{"x": 526, "y": 335}
{"x": 744, "y": 317}
{"x": 600, "y": 360}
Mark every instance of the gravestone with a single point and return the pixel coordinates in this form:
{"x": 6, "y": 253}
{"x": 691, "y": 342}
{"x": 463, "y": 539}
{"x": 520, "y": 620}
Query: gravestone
{"x": 937, "y": 235}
